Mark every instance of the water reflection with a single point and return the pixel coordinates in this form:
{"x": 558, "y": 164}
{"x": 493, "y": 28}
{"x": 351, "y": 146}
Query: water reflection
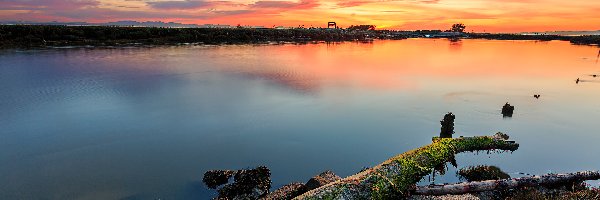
{"x": 138, "y": 123}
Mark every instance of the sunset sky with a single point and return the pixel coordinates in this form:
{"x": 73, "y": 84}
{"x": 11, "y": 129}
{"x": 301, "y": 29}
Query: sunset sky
{"x": 478, "y": 15}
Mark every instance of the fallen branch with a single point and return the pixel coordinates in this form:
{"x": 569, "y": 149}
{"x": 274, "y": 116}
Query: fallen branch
{"x": 396, "y": 177}
{"x": 490, "y": 185}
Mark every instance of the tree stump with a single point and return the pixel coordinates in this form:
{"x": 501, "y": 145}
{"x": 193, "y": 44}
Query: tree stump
{"x": 507, "y": 110}
{"x": 447, "y": 126}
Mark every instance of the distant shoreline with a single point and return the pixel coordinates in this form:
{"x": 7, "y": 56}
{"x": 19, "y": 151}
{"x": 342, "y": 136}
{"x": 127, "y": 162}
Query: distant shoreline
{"x": 44, "y": 36}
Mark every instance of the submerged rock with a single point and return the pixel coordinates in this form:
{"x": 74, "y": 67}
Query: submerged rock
{"x": 447, "y": 126}
{"x": 507, "y": 110}
{"x": 482, "y": 173}
{"x": 247, "y": 184}
{"x": 286, "y": 192}
{"x": 216, "y": 178}
{"x": 322, "y": 179}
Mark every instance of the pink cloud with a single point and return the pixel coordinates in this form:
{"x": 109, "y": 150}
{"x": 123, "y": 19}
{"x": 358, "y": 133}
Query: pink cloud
{"x": 46, "y": 4}
{"x": 354, "y": 3}
{"x": 304, "y": 4}
{"x": 187, "y": 4}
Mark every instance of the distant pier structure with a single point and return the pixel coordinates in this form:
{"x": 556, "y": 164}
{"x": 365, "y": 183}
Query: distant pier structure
{"x": 332, "y": 25}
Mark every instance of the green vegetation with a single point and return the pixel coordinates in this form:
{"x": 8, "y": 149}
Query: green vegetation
{"x": 482, "y": 173}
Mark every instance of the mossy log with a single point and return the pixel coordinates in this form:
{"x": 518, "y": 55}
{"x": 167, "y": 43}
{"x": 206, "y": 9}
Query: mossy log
{"x": 504, "y": 184}
{"x": 397, "y": 177}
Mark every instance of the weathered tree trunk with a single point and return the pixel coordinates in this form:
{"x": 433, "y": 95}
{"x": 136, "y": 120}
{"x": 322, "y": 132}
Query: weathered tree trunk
{"x": 481, "y": 186}
{"x": 396, "y": 177}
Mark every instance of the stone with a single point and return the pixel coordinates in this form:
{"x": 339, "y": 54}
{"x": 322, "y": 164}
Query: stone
{"x": 322, "y": 179}
{"x": 287, "y": 192}
{"x": 247, "y": 183}
{"x": 500, "y": 135}
{"x": 216, "y": 178}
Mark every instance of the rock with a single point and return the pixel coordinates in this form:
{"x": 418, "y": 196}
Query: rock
{"x": 364, "y": 169}
{"x": 247, "y": 184}
{"x": 322, "y": 179}
{"x": 445, "y": 197}
{"x": 507, "y": 110}
{"x": 286, "y": 192}
{"x": 501, "y": 135}
{"x": 216, "y": 178}
{"x": 447, "y": 126}
{"x": 482, "y": 173}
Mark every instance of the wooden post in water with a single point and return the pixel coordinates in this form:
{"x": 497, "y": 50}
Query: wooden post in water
{"x": 507, "y": 110}
{"x": 447, "y": 126}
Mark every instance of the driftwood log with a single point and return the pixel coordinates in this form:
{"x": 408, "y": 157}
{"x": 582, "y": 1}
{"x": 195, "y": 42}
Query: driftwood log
{"x": 504, "y": 184}
{"x": 396, "y": 177}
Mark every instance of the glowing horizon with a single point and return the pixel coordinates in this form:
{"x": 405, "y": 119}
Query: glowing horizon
{"x": 478, "y": 15}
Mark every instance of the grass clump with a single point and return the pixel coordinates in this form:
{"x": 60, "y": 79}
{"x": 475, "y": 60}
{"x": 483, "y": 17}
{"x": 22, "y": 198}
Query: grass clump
{"x": 482, "y": 173}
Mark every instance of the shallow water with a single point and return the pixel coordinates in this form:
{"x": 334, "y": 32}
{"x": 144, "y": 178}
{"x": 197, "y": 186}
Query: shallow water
{"x": 145, "y": 123}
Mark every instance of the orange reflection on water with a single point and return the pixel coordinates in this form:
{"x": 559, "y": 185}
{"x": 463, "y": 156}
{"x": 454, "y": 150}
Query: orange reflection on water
{"x": 412, "y": 63}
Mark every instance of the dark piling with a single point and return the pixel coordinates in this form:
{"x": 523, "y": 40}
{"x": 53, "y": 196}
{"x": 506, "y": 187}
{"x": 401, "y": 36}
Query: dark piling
{"x": 507, "y": 110}
{"x": 447, "y": 126}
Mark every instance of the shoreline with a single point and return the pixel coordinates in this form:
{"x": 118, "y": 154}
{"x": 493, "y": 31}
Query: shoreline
{"x": 42, "y": 37}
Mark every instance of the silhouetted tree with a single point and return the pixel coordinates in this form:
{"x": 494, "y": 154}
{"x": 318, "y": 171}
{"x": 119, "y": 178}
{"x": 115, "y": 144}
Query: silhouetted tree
{"x": 458, "y": 28}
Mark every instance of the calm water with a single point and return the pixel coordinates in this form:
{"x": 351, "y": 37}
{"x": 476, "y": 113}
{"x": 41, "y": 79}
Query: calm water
{"x": 145, "y": 123}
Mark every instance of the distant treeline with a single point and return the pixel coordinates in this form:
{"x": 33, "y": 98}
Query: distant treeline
{"x": 19, "y": 36}
{"x": 579, "y": 40}
{"x": 32, "y": 36}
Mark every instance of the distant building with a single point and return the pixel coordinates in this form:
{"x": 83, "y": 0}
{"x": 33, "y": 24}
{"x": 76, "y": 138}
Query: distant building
{"x": 332, "y": 25}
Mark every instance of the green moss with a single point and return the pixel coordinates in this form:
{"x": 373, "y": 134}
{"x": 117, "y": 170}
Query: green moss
{"x": 482, "y": 173}
{"x": 416, "y": 164}
{"x": 397, "y": 176}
